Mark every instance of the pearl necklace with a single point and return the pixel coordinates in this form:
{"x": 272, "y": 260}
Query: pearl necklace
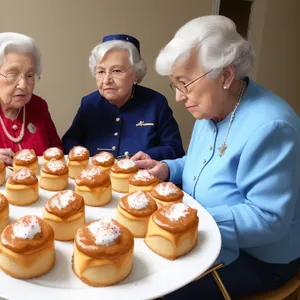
{"x": 223, "y": 147}
{"x": 20, "y": 137}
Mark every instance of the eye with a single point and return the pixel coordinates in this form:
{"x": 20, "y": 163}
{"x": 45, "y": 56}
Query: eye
{"x": 116, "y": 71}
{"x": 30, "y": 75}
{"x": 100, "y": 72}
{"x": 11, "y": 75}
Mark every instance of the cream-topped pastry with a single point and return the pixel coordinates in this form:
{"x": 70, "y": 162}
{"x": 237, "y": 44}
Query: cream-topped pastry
{"x": 26, "y": 158}
{"x": 142, "y": 180}
{"x": 4, "y": 212}
{"x": 103, "y": 252}
{"x": 166, "y": 193}
{"x": 94, "y": 185}
{"x": 54, "y": 175}
{"x": 120, "y": 173}
{"x": 53, "y": 153}
{"x": 27, "y": 248}
{"x": 134, "y": 211}
{"x": 2, "y": 172}
{"x": 78, "y": 160}
{"x": 65, "y": 213}
{"x": 173, "y": 230}
{"x": 22, "y": 188}
{"x": 103, "y": 160}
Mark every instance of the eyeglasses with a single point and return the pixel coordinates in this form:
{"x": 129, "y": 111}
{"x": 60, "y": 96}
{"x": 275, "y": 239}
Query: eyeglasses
{"x": 115, "y": 73}
{"x": 183, "y": 87}
{"x": 15, "y": 77}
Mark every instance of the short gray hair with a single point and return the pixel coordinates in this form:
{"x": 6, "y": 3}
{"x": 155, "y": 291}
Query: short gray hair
{"x": 135, "y": 59}
{"x": 218, "y": 44}
{"x": 22, "y": 44}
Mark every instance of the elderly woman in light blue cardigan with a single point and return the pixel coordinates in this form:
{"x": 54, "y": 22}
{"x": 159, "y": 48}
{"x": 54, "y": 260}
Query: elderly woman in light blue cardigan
{"x": 243, "y": 162}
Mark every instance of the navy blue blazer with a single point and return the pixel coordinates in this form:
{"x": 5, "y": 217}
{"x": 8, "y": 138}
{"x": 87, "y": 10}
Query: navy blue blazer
{"x": 144, "y": 123}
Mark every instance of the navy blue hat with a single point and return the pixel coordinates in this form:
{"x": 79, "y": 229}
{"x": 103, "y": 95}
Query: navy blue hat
{"x": 123, "y": 37}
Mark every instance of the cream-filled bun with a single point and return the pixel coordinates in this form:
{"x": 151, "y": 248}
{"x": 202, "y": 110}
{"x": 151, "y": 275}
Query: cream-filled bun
{"x": 103, "y": 252}
{"x": 2, "y": 172}
{"x": 134, "y": 211}
{"x": 54, "y": 176}
{"x": 142, "y": 180}
{"x": 27, "y": 248}
{"x": 120, "y": 173}
{"x": 103, "y": 160}
{"x": 65, "y": 213}
{"x": 26, "y": 158}
{"x": 78, "y": 160}
{"x": 4, "y": 212}
{"x": 22, "y": 188}
{"x": 166, "y": 193}
{"x": 94, "y": 185}
{"x": 173, "y": 230}
{"x": 53, "y": 153}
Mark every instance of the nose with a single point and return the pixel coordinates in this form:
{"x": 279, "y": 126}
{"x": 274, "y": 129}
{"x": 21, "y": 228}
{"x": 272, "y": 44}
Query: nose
{"x": 107, "y": 78}
{"x": 22, "y": 82}
{"x": 179, "y": 96}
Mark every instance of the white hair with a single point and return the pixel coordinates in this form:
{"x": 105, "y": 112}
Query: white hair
{"x": 21, "y": 44}
{"x": 135, "y": 59}
{"x": 218, "y": 45}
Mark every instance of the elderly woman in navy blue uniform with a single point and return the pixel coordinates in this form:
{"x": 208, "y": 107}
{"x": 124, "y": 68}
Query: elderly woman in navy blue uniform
{"x": 123, "y": 117}
{"x": 243, "y": 161}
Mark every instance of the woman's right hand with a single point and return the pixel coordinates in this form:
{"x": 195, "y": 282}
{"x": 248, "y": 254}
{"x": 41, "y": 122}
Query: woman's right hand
{"x": 6, "y": 156}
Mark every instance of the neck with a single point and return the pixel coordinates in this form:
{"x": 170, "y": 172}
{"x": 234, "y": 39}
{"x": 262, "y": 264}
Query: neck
{"x": 128, "y": 97}
{"x": 10, "y": 112}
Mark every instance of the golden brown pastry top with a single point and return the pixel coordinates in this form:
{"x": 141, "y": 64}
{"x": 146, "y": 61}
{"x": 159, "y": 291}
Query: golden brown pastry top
{"x": 103, "y": 159}
{"x": 104, "y": 238}
{"x": 125, "y": 165}
{"x": 92, "y": 177}
{"x": 25, "y": 157}
{"x": 138, "y": 204}
{"x": 3, "y": 202}
{"x": 23, "y": 176}
{"x": 64, "y": 204}
{"x": 166, "y": 191}
{"x": 176, "y": 218}
{"x": 2, "y": 166}
{"x": 26, "y": 235}
{"x": 53, "y": 152}
{"x": 143, "y": 178}
{"x": 55, "y": 167}
{"x": 79, "y": 153}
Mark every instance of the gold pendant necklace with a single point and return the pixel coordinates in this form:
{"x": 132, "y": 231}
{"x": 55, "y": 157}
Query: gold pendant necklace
{"x": 223, "y": 147}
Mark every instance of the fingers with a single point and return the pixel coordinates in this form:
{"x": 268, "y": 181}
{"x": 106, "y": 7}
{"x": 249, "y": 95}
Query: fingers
{"x": 6, "y": 159}
{"x": 161, "y": 170}
{"x": 6, "y": 155}
{"x": 140, "y": 156}
{"x": 146, "y": 163}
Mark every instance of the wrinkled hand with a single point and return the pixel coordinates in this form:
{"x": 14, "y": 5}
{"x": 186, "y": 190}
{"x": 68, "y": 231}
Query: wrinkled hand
{"x": 6, "y": 156}
{"x": 140, "y": 156}
{"x": 154, "y": 167}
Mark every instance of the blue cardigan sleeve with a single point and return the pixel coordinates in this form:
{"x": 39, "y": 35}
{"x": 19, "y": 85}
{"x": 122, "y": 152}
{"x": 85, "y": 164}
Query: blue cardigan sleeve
{"x": 168, "y": 135}
{"x": 267, "y": 177}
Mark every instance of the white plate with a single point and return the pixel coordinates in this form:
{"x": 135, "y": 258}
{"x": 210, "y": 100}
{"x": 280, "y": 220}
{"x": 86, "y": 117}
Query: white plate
{"x": 152, "y": 275}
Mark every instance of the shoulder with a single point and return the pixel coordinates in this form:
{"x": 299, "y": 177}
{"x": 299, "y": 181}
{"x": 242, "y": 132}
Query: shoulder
{"x": 92, "y": 97}
{"x": 36, "y": 102}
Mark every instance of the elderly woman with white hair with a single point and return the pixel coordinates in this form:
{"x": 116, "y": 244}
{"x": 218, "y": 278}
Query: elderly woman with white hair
{"x": 25, "y": 121}
{"x": 243, "y": 161}
{"x": 123, "y": 117}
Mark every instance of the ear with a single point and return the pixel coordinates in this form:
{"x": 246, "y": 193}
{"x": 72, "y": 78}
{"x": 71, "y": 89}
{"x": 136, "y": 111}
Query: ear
{"x": 228, "y": 76}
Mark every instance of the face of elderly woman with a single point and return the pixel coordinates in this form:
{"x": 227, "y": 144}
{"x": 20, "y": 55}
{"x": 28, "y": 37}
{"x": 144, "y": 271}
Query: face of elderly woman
{"x": 115, "y": 77}
{"x": 17, "y": 94}
{"x": 205, "y": 97}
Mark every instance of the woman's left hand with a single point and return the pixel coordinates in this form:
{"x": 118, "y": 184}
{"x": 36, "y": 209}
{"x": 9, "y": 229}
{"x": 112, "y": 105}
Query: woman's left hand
{"x": 140, "y": 156}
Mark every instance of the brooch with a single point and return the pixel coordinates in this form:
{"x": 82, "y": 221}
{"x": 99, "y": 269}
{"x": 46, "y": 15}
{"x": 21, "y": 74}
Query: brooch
{"x": 142, "y": 123}
{"x": 31, "y": 128}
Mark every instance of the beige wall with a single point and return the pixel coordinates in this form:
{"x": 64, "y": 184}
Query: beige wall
{"x": 67, "y": 30}
{"x": 275, "y": 34}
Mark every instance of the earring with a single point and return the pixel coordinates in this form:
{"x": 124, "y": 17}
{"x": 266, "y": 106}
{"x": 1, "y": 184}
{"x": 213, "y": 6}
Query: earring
{"x": 225, "y": 87}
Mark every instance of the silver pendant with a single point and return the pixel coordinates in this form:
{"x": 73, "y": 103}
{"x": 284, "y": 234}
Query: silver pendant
{"x": 222, "y": 149}
{"x": 31, "y": 128}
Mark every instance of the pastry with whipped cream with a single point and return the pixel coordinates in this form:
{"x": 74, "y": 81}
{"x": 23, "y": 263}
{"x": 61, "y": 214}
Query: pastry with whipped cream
{"x": 134, "y": 211}
{"x": 4, "y": 212}
{"x": 103, "y": 252}
{"x": 54, "y": 175}
{"x": 27, "y": 248}
{"x": 78, "y": 160}
{"x": 173, "y": 230}
{"x": 26, "y": 158}
{"x": 2, "y": 172}
{"x": 104, "y": 160}
{"x": 53, "y": 153}
{"x": 120, "y": 173}
{"x": 166, "y": 193}
{"x": 94, "y": 185}
{"x": 142, "y": 180}
{"x": 22, "y": 188}
{"x": 64, "y": 212}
